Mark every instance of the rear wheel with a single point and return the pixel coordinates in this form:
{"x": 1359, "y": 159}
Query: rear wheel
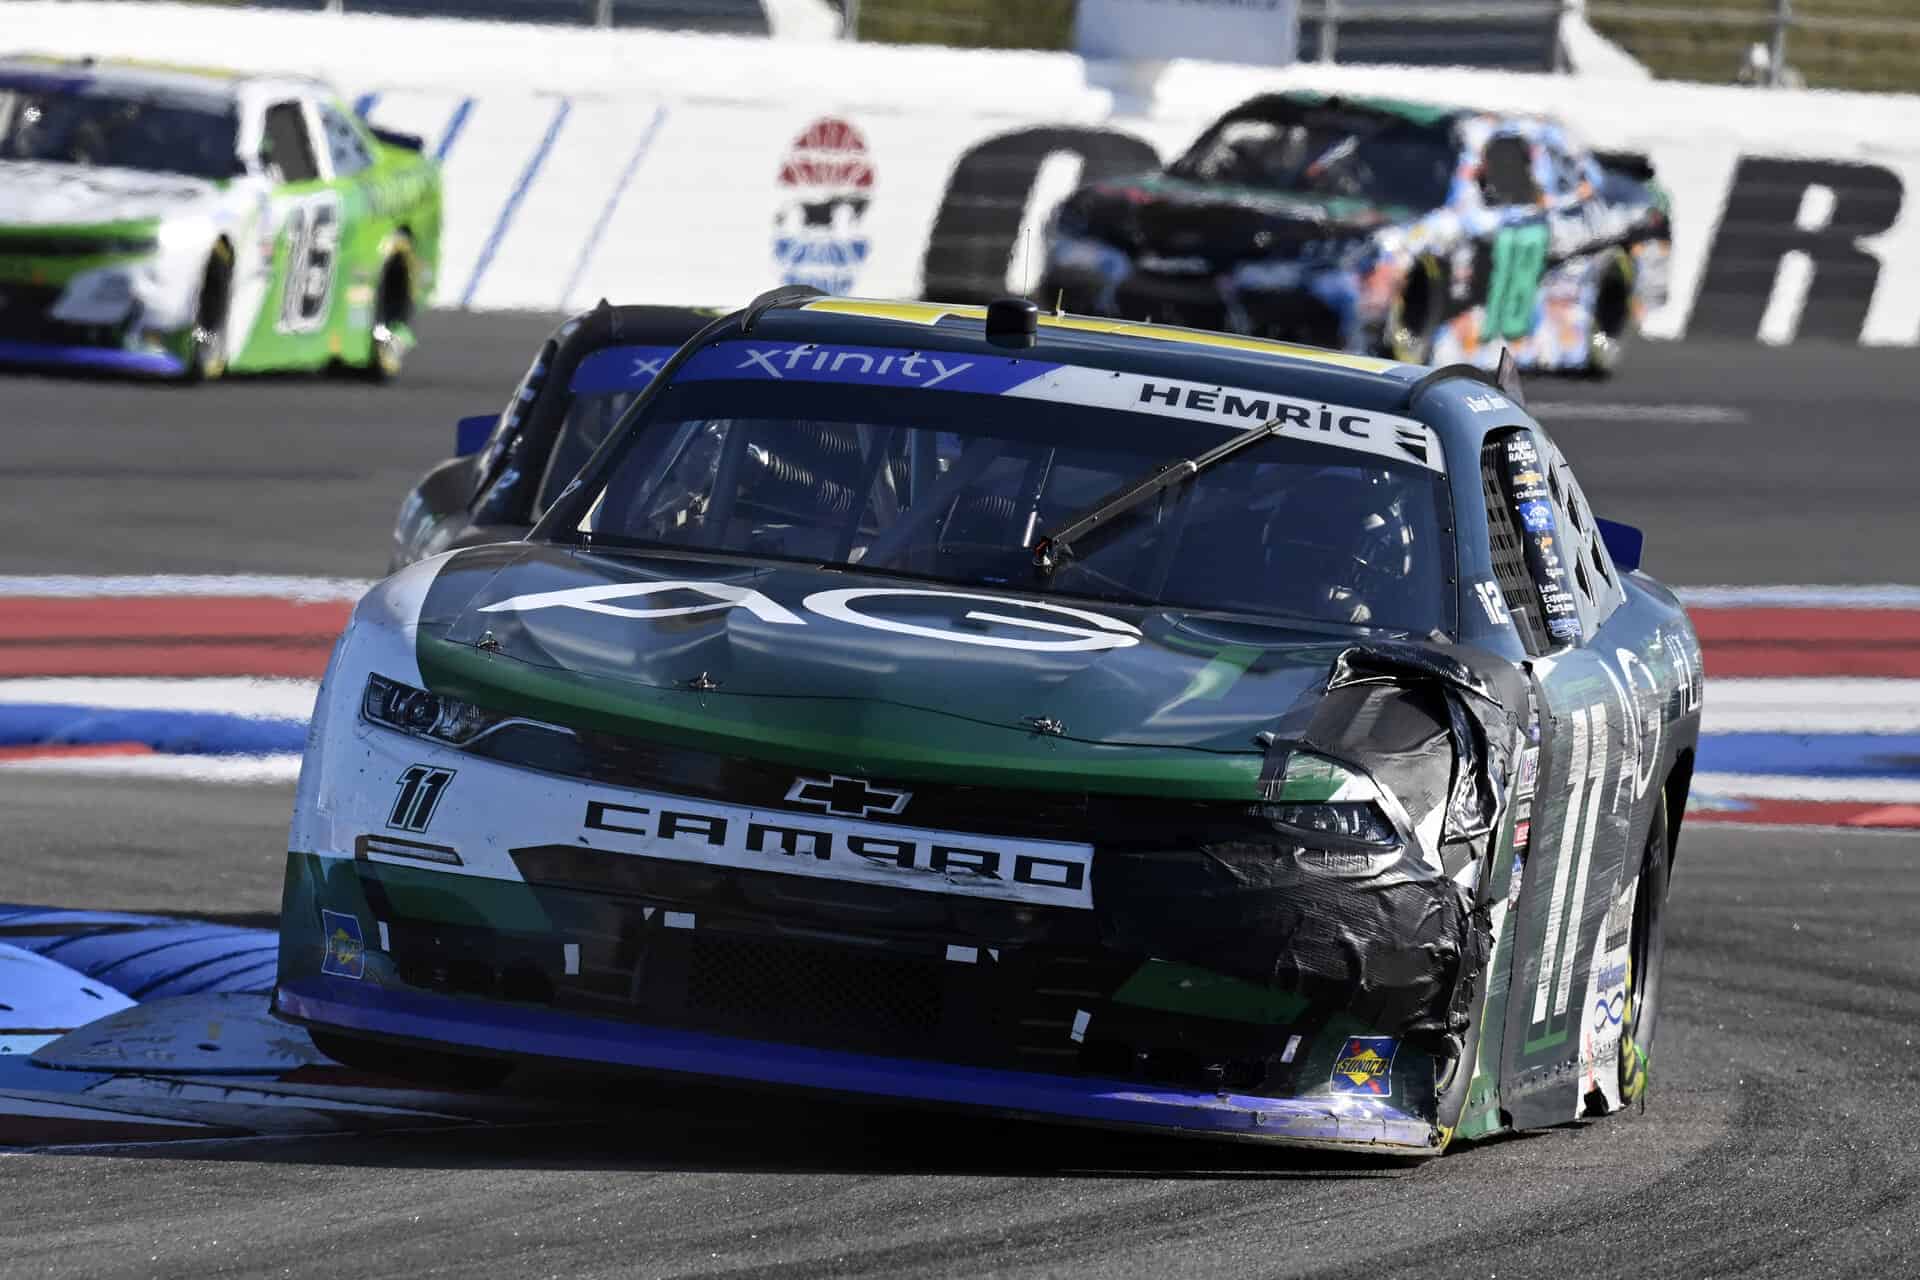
{"x": 1646, "y": 949}
{"x": 1612, "y": 312}
{"x": 1413, "y": 316}
{"x": 207, "y": 345}
{"x": 392, "y": 334}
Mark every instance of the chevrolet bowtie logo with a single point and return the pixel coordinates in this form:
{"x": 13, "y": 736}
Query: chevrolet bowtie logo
{"x": 847, "y": 797}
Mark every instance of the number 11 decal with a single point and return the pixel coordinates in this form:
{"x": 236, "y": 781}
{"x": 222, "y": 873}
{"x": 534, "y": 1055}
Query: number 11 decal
{"x": 420, "y": 790}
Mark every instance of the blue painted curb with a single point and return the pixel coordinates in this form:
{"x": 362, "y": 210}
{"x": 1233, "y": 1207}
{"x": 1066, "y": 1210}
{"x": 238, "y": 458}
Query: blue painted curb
{"x": 193, "y": 733}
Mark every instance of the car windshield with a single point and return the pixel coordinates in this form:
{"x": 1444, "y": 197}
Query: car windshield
{"x": 1342, "y": 524}
{"x": 602, "y": 387}
{"x": 74, "y": 124}
{"x": 1383, "y": 162}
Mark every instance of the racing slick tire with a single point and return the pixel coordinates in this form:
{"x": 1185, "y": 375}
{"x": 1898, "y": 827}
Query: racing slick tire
{"x": 1413, "y": 316}
{"x": 405, "y": 1062}
{"x": 1608, "y": 327}
{"x": 392, "y": 334}
{"x": 207, "y": 343}
{"x": 1646, "y": 950}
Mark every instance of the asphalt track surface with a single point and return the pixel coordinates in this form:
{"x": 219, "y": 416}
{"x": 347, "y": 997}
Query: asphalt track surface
{"x": 1779, "y": 1139}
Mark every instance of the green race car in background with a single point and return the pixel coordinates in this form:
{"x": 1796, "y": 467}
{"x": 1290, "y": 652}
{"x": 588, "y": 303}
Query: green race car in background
{"x": 188, "y": 223}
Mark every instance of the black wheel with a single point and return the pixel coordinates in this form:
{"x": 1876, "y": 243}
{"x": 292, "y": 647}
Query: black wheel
{"x": 1612, "y": 316}
{"x": 1646, "y": 948}
{"x": 392, "y": 334}
{"x": 1413, "y": 316}
{"x": 207, "y": 346}
{"x": 431, "y": 1067}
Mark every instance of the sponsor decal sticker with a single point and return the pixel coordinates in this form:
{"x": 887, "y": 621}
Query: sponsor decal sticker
{"x": 1365, "y": 1066}
{"x": 1537, "y": 516}
{"x": 1487, "y": 403}
{"x": 345, "y": 954}
{"x": 1529, "y": 771}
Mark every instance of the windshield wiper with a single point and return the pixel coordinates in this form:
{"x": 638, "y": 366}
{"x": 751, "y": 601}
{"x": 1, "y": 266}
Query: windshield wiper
{"x": 1056, "y": 548}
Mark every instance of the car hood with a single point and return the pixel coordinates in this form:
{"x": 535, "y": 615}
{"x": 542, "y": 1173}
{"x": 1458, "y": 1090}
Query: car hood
{"x": 880, "y": 674}
{"x": 43, "y": 193}
{"x": 1174, "y": 219}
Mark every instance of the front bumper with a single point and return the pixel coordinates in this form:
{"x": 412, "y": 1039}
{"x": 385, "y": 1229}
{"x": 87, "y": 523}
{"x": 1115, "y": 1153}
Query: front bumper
{"x": 768, "y": 980}
{"x": 33, "y": 333}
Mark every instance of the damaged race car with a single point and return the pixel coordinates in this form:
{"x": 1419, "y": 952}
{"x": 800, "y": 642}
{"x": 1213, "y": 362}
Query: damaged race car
{"x": 1424, "y": 233}
{"x": 187, "y": 224}
{"x": 1052, "y": 716}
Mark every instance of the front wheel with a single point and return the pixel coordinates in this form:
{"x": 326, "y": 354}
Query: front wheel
{"x": 1646, "y": 949}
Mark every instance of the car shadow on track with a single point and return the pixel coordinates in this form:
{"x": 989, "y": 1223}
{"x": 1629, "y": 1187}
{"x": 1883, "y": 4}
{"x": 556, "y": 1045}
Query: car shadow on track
{"x": 713, "y": 1130}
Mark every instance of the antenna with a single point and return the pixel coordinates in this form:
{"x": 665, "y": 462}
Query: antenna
{"x": 1026, "y": 263}
{"x": 1060, "y": 301}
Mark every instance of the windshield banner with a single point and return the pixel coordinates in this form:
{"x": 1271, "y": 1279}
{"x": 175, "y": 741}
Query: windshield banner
{"x": 1362, "y": 430}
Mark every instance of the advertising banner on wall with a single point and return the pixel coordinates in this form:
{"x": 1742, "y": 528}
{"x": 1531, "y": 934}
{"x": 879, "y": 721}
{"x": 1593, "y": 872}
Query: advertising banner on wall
{"x": 1261, "y": 32}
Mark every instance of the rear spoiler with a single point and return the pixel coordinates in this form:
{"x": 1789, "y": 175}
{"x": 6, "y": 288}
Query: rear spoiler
{"x": 394, "y": 138}
{"x": 1629, "y": 164}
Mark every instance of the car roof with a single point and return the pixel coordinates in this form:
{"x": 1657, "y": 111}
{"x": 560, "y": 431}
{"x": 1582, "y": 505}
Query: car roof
{"x": 214, "y": 85}
{"x": 1407, "y": 109}
{"x": 1454, "y": 401}
{"x": 1192, "y": 355}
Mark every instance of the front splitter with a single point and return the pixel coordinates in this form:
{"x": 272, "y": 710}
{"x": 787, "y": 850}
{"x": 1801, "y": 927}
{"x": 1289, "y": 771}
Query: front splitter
{"x": 521, "y": 1032}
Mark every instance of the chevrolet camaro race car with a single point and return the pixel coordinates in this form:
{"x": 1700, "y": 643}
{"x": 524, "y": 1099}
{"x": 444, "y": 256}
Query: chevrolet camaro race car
{"x": 508, "y": 467}
{"x": 1424, "y": 233}
{"x": 1054, "y": 716}
{"x": 184, "y": 223}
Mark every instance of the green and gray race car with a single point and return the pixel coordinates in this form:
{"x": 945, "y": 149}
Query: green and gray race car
{"x": 188, "y": 223}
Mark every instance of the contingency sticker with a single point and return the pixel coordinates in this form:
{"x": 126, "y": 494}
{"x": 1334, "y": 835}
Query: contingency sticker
{"x": 1365, "y": 1065}
{"x": 346, "y": 954}
{"x": 1362, "y": 430}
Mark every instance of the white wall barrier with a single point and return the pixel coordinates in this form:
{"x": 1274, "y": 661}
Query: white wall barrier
{"x": 680, "y": 168}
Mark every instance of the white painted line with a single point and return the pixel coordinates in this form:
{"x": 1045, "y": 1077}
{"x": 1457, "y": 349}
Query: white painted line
{"x": 1797, "y": 704}
{"x": 1616, "y": 411}
{"x": 305, "y": 590}
{"x": 236, "y": 695}
{"x": 1793, "y": 786}
{"x": 1880, "y": 596}
{"x": 269, "y": 768}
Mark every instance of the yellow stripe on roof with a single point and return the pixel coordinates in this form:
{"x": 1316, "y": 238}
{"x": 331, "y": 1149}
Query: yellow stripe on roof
{"x": 911, "y": 312}
{"x": 934, "y": 312}
{"x": 128, "y": 64}
{"x": 1234, "y": 341}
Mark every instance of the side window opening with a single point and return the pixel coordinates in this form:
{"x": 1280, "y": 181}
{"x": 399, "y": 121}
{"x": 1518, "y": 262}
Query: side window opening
{"x": 1506, "y": 172}
{"x": 287, "y": 150}
{"x": 1593, "y": 573}
{"x": 344, "y": 143}
{"x": 1506, "y": 545}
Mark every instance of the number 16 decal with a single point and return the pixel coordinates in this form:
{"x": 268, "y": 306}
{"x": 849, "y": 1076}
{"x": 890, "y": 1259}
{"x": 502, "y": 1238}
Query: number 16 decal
{"x": 313, "y": 251}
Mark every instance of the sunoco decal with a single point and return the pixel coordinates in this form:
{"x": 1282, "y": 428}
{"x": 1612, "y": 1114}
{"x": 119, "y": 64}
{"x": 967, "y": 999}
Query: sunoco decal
{"x": 346, "y": 954}
{"x": 1343, "y": 426}
{"x": 1365, "y": 1066}
{"x": 1040, "y": 872}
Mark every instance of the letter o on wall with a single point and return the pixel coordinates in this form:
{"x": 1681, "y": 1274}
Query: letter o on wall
{"x": 973, "y": 234}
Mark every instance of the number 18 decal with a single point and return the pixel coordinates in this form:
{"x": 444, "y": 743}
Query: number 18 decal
{"x": 1519, "y": 260}
{"x": 313, "y": 251}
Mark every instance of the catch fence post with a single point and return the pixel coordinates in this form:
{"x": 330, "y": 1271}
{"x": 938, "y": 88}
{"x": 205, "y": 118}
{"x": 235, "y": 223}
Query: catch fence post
{"x": 1777, "y": 64}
